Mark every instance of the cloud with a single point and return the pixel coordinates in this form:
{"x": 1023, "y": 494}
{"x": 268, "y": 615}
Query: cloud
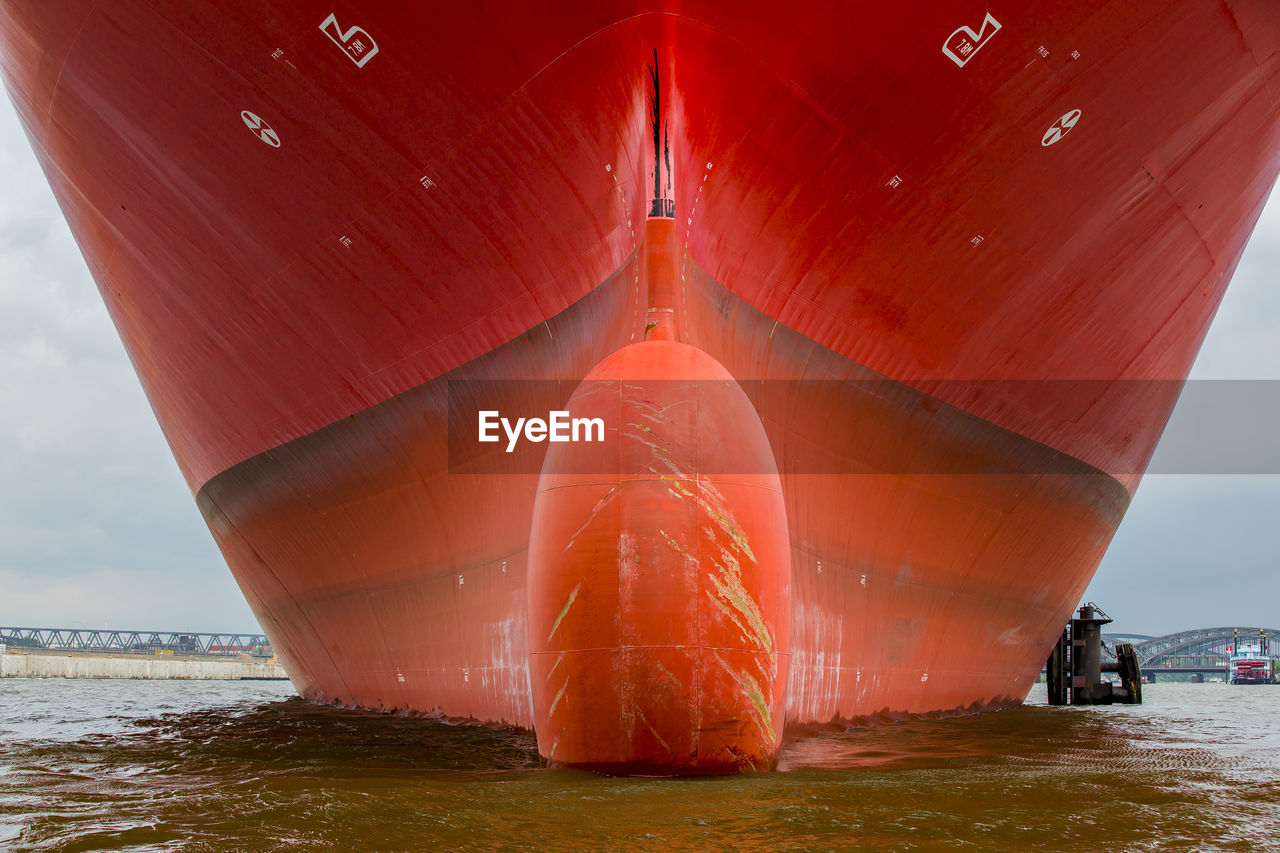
{"x": 1194, "y": 551}
{"x": 1198, "y": 551}
{"x": 124, "y": 598}
{"x": 95, "y": 521}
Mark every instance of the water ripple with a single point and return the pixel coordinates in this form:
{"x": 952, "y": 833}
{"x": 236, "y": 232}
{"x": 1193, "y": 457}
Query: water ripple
{"x": 185, "y": 766}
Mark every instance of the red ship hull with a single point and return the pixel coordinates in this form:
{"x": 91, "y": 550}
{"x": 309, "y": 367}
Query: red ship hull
{"x": 319, "y": 229}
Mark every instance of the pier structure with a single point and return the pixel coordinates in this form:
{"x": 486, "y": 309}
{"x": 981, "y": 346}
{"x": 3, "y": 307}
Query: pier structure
{"x": 23, "y": 663}
{"x": 1075, "y": 667}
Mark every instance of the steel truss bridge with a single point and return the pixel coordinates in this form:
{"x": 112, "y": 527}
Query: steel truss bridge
{"x": 1197, "y": 650}
{"x": 135, "y": 642}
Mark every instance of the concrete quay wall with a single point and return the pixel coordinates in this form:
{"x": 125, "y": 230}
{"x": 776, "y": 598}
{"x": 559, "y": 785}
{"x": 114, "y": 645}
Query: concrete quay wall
{"x": 18, "y": 665}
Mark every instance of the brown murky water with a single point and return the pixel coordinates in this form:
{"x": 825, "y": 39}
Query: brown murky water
{"x": 188, "y": 766}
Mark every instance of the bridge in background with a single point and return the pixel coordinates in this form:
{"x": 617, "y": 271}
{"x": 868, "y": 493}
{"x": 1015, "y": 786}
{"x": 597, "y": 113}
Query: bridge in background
{"x": 135, "y": 642}
{"x": 1198, "y": 650}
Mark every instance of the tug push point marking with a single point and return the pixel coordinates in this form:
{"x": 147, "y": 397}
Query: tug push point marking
{"x": 1060, "y": 128}
{"x": 260, "y": 128}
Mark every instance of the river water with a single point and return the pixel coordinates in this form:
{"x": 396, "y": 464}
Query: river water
{"x": 212, "y": 766}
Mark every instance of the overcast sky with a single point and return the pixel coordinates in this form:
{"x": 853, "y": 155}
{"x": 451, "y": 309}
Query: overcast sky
{"x": 98, "y": 529}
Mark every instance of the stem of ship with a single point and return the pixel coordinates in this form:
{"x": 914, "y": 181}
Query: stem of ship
{"x": 659, "y": 561}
